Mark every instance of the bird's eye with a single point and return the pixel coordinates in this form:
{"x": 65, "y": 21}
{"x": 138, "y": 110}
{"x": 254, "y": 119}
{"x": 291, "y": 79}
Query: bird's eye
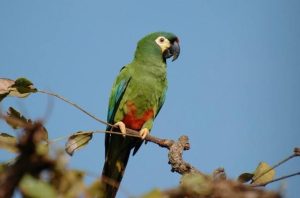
{"x": 161, "y": 40}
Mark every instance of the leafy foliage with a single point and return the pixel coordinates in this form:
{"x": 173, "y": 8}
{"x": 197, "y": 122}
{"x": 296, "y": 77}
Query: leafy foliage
{"x": 40, "y": 174}
{"x": 15, "y": 119}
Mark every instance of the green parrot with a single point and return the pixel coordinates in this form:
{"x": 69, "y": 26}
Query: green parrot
{"x": 137, "y": 96}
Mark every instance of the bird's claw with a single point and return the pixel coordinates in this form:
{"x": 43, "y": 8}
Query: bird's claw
{"x": 122, "y": 127}
{"x": 144, "y": 132}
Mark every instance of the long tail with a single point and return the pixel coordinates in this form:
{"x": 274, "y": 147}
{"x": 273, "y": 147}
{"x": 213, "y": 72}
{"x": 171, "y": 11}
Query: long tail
{"x": 117, "y": 155}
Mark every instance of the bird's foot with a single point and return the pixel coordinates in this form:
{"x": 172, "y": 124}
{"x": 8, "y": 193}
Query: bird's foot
{"x": 144, "y": 132}
{"x": 122, "y": 127}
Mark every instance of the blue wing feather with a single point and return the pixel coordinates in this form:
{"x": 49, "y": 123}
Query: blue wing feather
{"x": 116, "y": 96}
{"x": 117, "y": 93}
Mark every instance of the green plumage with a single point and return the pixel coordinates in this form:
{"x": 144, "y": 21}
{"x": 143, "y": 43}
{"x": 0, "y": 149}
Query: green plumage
{"x": 137, "y": 96}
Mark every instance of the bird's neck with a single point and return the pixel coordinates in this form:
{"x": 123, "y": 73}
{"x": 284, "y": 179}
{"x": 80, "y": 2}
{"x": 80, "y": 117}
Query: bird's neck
{"x": 152, "y": 68}
{"x": 150, "y": 57}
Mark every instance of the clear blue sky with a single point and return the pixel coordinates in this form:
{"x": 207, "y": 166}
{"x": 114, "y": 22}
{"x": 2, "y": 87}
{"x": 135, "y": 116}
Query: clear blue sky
{"x": 235, "y": 89}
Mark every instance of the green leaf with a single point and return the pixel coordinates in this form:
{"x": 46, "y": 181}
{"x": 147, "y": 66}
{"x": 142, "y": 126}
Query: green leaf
{"x": 77, "y": 141}
{"x": 5, "y": 85}
{"x": 22, "y": 88}
{"x": 8, "y": 142}
{"x": 245, "y": 177}
{"x": 263, "y": 173}
{"x": 23, "y": 85}
{"x": 35, "y": 188}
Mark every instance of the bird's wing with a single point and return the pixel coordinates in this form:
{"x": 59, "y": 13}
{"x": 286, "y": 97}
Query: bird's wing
{"x": 116, "y": 95}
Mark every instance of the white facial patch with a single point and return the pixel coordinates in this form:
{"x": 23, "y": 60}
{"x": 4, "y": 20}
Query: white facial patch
{"x": 163, "y": 43}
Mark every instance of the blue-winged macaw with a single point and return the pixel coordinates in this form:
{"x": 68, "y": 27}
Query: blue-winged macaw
{"x": 137, "y": 96}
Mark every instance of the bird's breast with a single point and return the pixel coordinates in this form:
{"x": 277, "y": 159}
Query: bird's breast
{"x": 134, "y": 120}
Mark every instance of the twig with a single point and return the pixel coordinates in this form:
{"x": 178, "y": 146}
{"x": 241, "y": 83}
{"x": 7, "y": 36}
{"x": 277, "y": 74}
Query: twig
{"x": 75, "y": 105}
{"x": 274, "y": 180}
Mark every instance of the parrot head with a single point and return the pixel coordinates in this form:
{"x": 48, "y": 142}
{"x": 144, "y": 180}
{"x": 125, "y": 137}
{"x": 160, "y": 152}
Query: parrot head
{"x": 158, "y": 45}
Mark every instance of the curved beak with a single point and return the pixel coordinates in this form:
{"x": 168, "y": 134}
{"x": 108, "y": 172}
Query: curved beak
{"x": 173, "y": 50}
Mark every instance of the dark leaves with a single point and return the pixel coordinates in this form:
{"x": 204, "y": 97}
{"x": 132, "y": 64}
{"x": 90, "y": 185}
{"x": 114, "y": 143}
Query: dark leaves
{"x": 262, "y": 174}
{"x": 15, "y": 119}
{"x": 245, "y": 177}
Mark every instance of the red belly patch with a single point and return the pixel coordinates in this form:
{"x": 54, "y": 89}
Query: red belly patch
{"x": 132, "y": 121}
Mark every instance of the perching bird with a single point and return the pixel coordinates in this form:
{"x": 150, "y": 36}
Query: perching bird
{"x": 137, "y": 96}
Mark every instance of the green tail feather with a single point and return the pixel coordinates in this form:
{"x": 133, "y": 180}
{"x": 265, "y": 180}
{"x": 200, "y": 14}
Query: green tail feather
{"x": 112, "y": 174}
{"x": 117, "y": 155}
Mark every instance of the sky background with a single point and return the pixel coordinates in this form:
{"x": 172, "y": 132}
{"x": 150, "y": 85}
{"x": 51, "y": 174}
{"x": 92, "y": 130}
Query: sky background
{"x": 234, "y": 90}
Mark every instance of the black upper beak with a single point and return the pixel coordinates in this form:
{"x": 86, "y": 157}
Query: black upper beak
{"x": 174, "y": 50}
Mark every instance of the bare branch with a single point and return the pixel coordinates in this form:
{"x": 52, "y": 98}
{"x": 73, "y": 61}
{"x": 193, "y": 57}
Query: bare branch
{"x": 277, "y": 179}
{"x": 74, "y": 105}
{"x": 176, "y": 159}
